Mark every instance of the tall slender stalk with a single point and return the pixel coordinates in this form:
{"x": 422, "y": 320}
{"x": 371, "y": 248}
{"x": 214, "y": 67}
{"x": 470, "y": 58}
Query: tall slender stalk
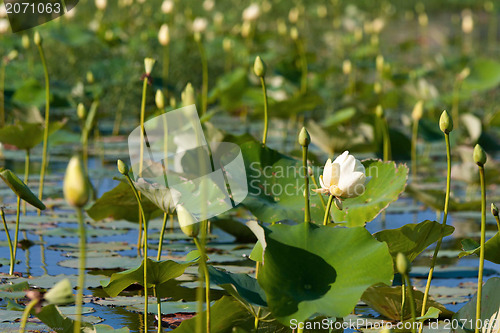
{"x": 204, "y": 82}
{"x": 206, "y": 275}
{"x": 304, "y": 141}
{"x": 143, "y": 111}
{"x": 26, "y": 174}
{"x": 162, "y": 235}
{"x": 81, "y": 269}
{"x": 266, "y": 116}
{"x": 11, "y": 250}
{"x": 26, "y": 314}
{"x": 481, "y": 252}
{"x": 403, "y": 299}
{"x": 16, "y": 234}
{"x": 47, "y": 117}
{"x": 412, "y": 302}
{"x": 158, "y": 306}
{"x": 327, "y": 210}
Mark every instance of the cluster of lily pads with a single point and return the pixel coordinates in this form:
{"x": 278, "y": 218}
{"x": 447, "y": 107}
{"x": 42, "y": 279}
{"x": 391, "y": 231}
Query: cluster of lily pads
{"x": 314, "y": 258}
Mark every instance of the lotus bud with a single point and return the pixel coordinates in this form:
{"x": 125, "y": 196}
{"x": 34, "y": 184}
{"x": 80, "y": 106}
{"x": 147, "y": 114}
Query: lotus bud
{"x": 479, "y": 155}
{"x": 418, "y": 111}
{"x": 304, "y": 137}
{"x": 25, "y": 42}
{"x": 148, "y": 65}
{"x": 200, "y": 24}
{"x": 187, "y": 95}
{"x": 218, "y": 19}
{"x": 377, "y": 87}
{"x": 164, "y": 35}
{"x": 346, "y": 67}
{"x": 189, "y": 226}
{"x": 60, "y": 294}
{"x": 227, "y": 44}
{"x": 294, "y": 33}
{"x": 259, "y": 67}
{"x": 379, "y": 112}
{"x": 488, "y": 6}
{"x": 76, "y": 185}
{"x": 167, "y": 6}
{"x": 122, "y": 167}
{"x": 379, "y": 63}
{"x": 494, "y": 210}
{"x": 160, "y": 99}
{"x": 321, "y": 11}
{"x": 37, "y": 39}
{"x": 208, "y": 5}
{"x": 251, "y": 13}
{"x": 101, "y": 4}
{"x": 81, "y": 111}
{"x": 293, "y": 15}
{"x": 20, "y": 189}
{"x": 246, "y": 29}
{"x": 467, "y": 21}
{"x": 445, "y": 122}
{"x": 172, "y": 101}
{"x": 423, "y": 20}
{"x": 282, "y": 28}
{"x": 402, "y": 264}
{"x": 90, "y": 77}
{"x": 11, "y": 55}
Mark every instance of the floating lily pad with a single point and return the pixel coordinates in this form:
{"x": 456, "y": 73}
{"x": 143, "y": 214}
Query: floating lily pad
{"x": 48, "y": 281}
{"x": 73, "y": 232}
{"x": 104, "y": 262}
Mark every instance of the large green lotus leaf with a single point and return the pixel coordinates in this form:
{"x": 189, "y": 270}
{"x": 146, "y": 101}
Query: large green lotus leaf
{"x": 484, "y": 75}
{"x": 490, "y": 307}
{"x": 246, "y": 286}
{"x": 158, "y": 272}
{"x": 387, "y": 183}
{"x": 310, "y": 269}
{"x": 491, "y": 248}
{"x": 226, "y": 314}
{"x": 27, "y": 135}
{"x": 412, "y": 239}
{"x": 387, "y": 301}
{"x": 120, "y": 204}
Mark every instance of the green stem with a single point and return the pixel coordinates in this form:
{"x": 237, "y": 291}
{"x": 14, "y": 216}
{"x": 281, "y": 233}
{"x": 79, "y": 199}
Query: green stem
{"x": 387, "y": 140}
{"x": 412, "y": 303}
{"x": 145, "y": 243}
{"x": 327, "y": 210}
{"x": 162, "y": 235}
{"x": 2, "y": 95}
{"x": 204, "y": 83}
{"x": 26, "y": 314}
{"x": 11, "y": 271}
{"x": 158, "y": 305}
{"x": 301, "y": 329}
{"x": 498, "y": 222}
{"x": 26, "y": 174}
{"x": 16, "y": 235}
{"x": 481, "y": 252}
{"x": 307, "y": 214}
{"x": 204, "y": 267}
{"x": 445, "y": 217}
{"x": 414, "y": 138}
{"x": 42, "y": 255}
{"x": 143, "y": 111}
{"x": 166, "y": 62}
{"x": 403, "y": 300}
{"x": 81, "y": 270}
{"x": 257, "y": 317}
{"x": 46, "y": 128}
{"x": 171, "y": 218}
{"x": 266, "y": 121}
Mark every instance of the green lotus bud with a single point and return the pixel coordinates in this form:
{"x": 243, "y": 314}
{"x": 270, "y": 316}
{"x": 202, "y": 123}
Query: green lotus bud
{"x": 418, "y": 111}
{"x": 304, "y": 137}
{"x": 494, "y": 210}
{"x": 148, "y": 65}
{"x": 122, "y": 167}
{"x": 76, "y": 185}
{"x": 402, "y": 264}
{"x": 60, "y": 294}
{"x": 445, "y": 122}
{"x": 90, "y": 77}
{"x": 20, "y": 189}
{"x": 37, "y": 39}
{"x": 187, "y": 96}
{"x": 379, "y": 112}
{"x": 25, "y": 42}
{"x": 160, "y": 99}
{"x": 259, "y": 67}
{"x": 189, "y": 226}
{"x": 81, "y": 111}
{"x": 479, "y": 155}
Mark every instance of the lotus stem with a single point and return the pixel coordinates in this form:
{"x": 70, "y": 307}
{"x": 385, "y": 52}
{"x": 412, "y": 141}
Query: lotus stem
{"x": 301, "y": 329}
{"x": 327, "y": 210}
{"x": 81, "y": 269}
{"x": 412, "y": 302}
{"x": 45, "y": 162}
{"x": 16, "y": 234}
{"x": 257, "y": 317}
{"x": 443, "y": 224}
{"x": 414, "y": 138}
{"x": 11, "y": 271}
{"x": 481, "y": 252}
{"x": 162, "y": 235}
{"x": 143, "y": 111}
{"x": 266, "y": 121}
{"x": 387, "y": 140}
{"x": 26, "y": 314}
{"x": 26, "y": 174}
{"x": 403, "y": 300}
{"x": 145, "y": 243}
{"x": 204, "y": 83}
{"x": 498, "y": 222}
{"x": 171, "y": 217}
{"x": 166, "y": 63}
{"x": 203, "y": 263}
{"x": 42, "y": 255}
{"x": 158, "y": 305}
{"x": 307, "y": 213}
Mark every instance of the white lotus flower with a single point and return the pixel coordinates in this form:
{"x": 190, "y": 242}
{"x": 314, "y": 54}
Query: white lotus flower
{"x": 343, "y": 178}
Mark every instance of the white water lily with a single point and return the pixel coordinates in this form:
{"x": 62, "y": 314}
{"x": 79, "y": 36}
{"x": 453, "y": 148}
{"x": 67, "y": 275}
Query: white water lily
{"x": 343, "y": 178}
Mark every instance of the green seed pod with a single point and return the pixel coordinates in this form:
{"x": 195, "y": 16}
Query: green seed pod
{"x": 20, "y": 189}
{"x": 379, "y": 111}
{"x": 60, "y": 294}
{"x": 189, "y": 226}
{"x": 479, "y": 155}
{"x": 37, "y": 39}
{"x": 148, "y": 65}
{"x": 494, "y": 209}
{"x": 402, "y": 264}
{"x": 81, "y": 111}
{"x": 259, "y": 67}
{"x": 187, "y": 95}
{"x": 304, "y": 137}
{"x": 445, "y": 122}
{"x": 122, "y": 167}
{"x": 160, "y": 99}
{"x": 76, "y": 185}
